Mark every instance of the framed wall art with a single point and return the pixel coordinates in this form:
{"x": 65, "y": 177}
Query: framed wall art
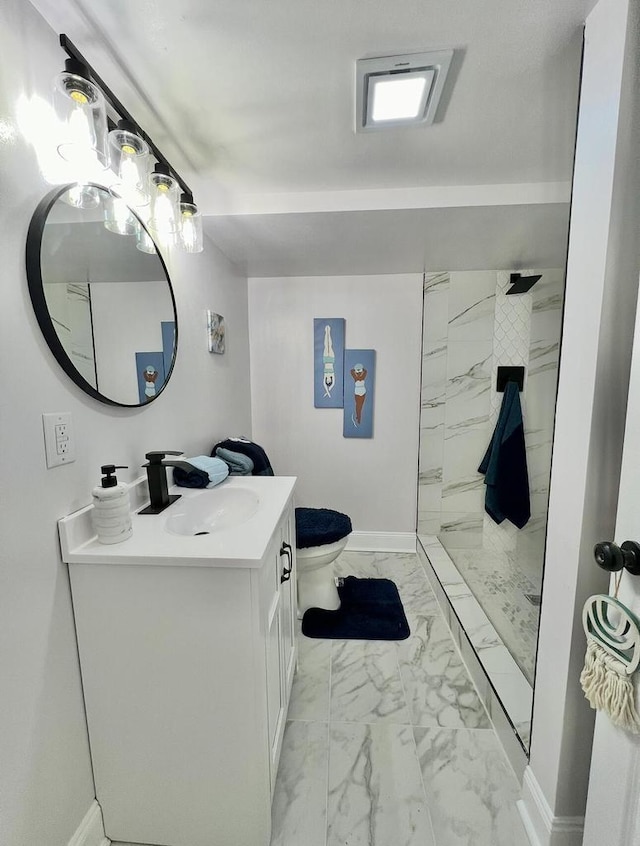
{"x": 328, "y": 362}
{"x": 359, "y": 384}
{"x": 216, "y": 332}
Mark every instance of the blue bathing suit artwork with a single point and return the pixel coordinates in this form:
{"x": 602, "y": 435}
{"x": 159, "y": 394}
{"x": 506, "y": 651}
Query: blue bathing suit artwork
{"x": 150, "y": 373}
{"x": 328, "y": 358}
{"x": 359, "y": 381}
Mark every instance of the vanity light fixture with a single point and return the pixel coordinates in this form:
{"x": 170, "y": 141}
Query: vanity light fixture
{"x": 129, "y": 154}
{"x": 87, "y": 107}
{"x": 82, "y": 112}
{"x": 190, "y": 235}
{"x": 395, "y": 91}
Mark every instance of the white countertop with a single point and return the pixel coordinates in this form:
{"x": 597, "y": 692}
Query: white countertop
{"x": 243, "y": 545}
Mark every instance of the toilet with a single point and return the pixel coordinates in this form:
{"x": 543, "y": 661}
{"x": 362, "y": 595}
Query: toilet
{"x": 321, "y": 535}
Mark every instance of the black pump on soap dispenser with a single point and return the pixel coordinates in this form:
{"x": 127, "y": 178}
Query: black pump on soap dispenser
{"x": 111, "y": 514}
{"x": 109, "y": 474}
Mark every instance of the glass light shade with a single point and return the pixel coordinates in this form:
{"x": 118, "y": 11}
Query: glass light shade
{"x": 144, "y": 242}
{"x": 81, "y": 109}
{"x": 163, "y": 212}
{"x": 82, "y": 196}
{"x": 129, "y": 155}
{"x": 190, "y": 238}
{"x": 118, "y": 217}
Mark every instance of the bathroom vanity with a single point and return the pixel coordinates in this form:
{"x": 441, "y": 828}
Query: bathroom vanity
{"x": 187, "y": 652}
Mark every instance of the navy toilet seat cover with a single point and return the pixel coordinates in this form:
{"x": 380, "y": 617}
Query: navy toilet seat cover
{"x": 317, "y": 526}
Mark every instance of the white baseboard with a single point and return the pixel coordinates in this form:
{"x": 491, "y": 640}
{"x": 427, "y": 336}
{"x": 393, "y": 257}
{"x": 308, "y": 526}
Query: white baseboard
{"x": 382, "y": 542}
{"x": 542, "y": 827}
{"x": 90, "y": 832}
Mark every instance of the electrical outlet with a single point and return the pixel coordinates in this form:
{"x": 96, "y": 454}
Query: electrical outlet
{"x": 58, "y": 438}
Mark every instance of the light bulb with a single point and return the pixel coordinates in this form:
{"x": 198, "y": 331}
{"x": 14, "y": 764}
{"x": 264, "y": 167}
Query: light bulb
{"x": 128, "y": 169}
{"x": 164, "y": 218}
{"x": 190, "y": 225}
{"x": 80, "y": 131}
{"x": 163, "y": 213}
{"x": 188, "y": 230}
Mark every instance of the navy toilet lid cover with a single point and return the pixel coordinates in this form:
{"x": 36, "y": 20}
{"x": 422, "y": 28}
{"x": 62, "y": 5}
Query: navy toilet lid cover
{"x": 317, "y": 526}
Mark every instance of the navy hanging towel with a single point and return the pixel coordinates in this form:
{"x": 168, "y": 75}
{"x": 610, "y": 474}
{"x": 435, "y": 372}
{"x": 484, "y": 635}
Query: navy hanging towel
{"x": 505, "y": 464}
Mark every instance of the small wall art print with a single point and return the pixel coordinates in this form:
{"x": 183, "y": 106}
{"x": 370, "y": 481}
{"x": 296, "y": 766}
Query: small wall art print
{"x": 328, "y": 362}
{"x": 359, "y": 381}
{"x": 150, "y": 373}
{"x": 216, "y": 332}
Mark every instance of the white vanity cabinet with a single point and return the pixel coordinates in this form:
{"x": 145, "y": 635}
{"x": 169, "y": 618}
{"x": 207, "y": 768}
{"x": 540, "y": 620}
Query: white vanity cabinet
{"x": 187, "y": 670}
{"x": 280, "y": 651}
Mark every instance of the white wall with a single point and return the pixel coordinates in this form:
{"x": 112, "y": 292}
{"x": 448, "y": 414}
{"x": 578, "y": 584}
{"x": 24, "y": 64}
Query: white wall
{"x": 374, "y": 481}
{"x": 45, "y": 774}
{"x": 600, "y": 298}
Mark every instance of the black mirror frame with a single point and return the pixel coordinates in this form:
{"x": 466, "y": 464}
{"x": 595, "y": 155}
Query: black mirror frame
{"x": 38, "y": 300}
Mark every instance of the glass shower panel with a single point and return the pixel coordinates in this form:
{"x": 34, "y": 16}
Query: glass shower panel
{"x": 471, "y": 327}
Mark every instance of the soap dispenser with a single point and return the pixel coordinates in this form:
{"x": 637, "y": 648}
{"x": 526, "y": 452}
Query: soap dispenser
{"x": 111, "y": 515}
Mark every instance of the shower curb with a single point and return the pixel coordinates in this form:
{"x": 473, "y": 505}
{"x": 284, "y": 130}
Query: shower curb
{"x": 511, "y": 742}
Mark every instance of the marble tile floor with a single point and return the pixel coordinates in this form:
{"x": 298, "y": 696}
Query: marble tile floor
{"x": 387, "y": 743}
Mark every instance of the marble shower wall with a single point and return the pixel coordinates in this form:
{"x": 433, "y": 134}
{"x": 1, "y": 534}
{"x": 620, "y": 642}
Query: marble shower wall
{"x": 471, "y": 327}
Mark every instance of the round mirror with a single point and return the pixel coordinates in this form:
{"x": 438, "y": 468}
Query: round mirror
{"x": 102, "y": 295}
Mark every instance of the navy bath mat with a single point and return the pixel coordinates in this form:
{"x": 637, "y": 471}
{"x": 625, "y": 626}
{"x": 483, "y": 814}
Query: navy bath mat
{"x": 370, "y": 609}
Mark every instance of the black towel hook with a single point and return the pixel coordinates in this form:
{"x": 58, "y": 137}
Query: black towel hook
{"x": 509, "y": 374}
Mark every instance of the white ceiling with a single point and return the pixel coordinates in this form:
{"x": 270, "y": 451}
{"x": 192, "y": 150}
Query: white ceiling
{"x": 252, "y": 102}
{"x": 397, "y": 241}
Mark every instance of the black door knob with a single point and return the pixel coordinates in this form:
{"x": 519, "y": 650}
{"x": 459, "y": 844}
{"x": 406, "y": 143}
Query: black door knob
{"x": 613, "y": 558}
{"x": 631, "y": 552}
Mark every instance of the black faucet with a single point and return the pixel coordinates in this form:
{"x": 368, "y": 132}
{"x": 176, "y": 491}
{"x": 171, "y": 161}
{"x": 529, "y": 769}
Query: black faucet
{"x": 159, "y": 497}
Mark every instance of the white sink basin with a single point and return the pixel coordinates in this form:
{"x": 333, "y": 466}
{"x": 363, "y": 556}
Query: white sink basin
{"x": 211, "y": 511}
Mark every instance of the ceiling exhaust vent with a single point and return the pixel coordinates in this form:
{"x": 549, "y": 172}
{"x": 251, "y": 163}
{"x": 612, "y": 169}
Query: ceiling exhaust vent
{"x": 399, "y": 90}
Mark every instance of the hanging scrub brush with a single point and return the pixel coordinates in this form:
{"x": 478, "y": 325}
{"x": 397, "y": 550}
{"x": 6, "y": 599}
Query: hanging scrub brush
{"x": 613, "y": 655}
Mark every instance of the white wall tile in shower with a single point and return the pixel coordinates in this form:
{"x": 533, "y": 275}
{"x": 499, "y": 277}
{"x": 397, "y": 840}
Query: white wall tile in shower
{"x": 471, "y": 306}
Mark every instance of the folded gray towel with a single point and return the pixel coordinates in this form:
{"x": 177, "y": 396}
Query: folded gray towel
{"x": 239, "y": 464}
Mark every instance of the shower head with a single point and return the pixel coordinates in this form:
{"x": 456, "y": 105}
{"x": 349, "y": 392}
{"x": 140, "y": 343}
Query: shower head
{"x": 521, "y": 284}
